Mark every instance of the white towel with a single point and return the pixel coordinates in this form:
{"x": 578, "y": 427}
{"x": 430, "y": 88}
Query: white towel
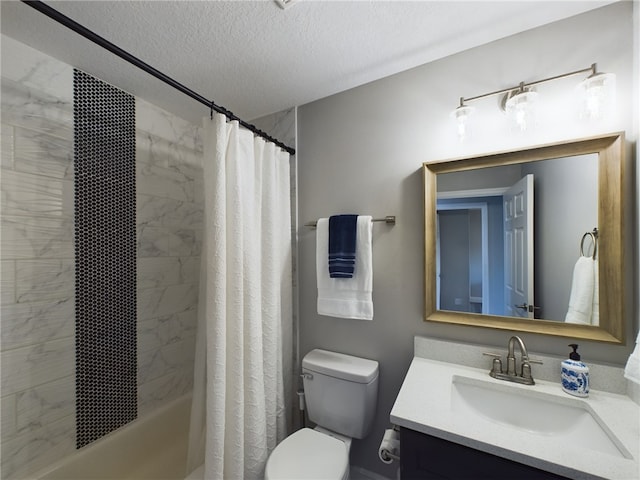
{"x": 595, "y": 309}
{"x": 632, "y": 369}
{"x": 581, "y": 298}
{"x": 346, "y": 297}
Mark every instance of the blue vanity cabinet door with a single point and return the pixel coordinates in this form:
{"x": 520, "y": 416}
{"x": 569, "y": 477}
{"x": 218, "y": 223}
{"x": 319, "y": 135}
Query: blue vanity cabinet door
{"x": 426, "y": 457}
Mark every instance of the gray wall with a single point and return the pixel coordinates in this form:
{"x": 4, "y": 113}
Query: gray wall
{"x": 361, "y": 151}
{"x": 454, "y": 260}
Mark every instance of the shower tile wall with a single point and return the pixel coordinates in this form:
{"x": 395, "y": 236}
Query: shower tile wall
{"x": 169, "y": 223}
{"x": 37, "y": 261}
{"x": 37, "y": 258}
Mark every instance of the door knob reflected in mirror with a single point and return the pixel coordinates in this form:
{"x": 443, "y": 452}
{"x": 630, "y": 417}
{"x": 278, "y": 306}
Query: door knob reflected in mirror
{"x": 527, "y": 308}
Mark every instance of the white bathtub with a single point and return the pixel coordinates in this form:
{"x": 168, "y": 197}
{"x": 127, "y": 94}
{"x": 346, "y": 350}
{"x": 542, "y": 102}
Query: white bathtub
{"x": 153, "y": 447}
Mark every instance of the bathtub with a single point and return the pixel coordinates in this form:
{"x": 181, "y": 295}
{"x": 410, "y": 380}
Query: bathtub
{"x": 153, "y": 447}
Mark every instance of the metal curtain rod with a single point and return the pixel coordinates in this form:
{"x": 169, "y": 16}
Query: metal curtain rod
{"x": 107, "y": 45}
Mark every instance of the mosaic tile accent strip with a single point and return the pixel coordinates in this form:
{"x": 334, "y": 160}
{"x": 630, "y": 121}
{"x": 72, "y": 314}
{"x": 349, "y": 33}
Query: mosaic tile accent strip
{"x": 105, "y": 252}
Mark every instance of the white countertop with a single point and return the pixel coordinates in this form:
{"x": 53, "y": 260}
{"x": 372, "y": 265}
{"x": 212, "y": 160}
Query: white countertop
{"x": 424, "y": 404}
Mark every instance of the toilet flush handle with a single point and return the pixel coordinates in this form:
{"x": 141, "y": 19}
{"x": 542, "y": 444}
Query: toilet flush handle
{"x": 306, "y": 376}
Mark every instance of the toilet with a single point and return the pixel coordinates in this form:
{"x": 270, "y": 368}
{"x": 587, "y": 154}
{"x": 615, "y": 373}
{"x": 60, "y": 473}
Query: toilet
{"x": 341, "y": 393}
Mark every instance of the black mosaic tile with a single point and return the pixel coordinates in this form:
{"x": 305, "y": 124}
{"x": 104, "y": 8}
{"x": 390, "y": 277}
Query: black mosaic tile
{"x": 105, "y": 254}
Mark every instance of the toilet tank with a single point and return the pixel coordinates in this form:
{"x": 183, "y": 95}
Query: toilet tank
{"x": 341, "y": 391}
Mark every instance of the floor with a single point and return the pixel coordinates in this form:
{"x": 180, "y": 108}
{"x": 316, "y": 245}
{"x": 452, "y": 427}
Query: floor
{"x": 357, "y": 473}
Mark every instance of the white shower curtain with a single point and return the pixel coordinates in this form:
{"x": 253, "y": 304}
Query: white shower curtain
{"x": 242, "y": 379}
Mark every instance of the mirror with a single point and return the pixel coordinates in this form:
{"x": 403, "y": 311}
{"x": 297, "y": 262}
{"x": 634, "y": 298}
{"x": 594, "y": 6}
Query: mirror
{"x": 474, "y": 270}
{"x": 564, "y": 196}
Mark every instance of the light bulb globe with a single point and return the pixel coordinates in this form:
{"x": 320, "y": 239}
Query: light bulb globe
{"x": 596, "y": 95}
{"x": 461, "y": 115}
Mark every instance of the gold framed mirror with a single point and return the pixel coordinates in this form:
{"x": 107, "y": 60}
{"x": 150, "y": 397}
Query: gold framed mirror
{"x": 607, "y": 154}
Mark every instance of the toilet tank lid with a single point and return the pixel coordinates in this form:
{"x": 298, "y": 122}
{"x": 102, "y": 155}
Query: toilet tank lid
{"x": 339, "y": 365}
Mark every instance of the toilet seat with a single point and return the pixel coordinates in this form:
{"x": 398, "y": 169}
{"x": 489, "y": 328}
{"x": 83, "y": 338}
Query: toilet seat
{"x": 309, "y": 454}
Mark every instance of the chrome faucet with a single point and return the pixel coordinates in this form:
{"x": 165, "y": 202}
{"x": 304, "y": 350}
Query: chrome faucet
{"x": 511, "y": 374}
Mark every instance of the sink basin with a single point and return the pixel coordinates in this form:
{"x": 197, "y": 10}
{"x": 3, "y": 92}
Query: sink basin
{"x": 534, "y": 413}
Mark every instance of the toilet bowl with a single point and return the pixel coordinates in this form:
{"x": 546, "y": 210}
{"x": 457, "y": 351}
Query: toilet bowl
{"x": 340, "y": 393}
{"x": 309, "y": 454}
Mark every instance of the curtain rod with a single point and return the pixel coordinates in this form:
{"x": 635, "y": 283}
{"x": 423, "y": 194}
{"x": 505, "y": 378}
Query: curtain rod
{"x": 107, "y": 45}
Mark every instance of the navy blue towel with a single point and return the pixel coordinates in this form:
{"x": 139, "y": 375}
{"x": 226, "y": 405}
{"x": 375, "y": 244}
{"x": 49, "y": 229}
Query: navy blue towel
{"x": 342, "y": 245}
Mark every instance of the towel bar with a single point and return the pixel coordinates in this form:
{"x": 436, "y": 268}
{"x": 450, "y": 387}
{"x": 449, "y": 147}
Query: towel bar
{"x": 389, "y": 220}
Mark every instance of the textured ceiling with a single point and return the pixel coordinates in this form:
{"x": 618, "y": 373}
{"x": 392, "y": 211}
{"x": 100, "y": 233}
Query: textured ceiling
{"x": 255, "y": 58}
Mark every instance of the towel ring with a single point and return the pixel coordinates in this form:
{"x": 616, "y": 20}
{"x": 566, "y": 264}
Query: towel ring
{"x": 594, "y": 239}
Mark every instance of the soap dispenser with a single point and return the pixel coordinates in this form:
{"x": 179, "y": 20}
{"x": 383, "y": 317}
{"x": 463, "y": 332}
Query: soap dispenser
{"x": 575, "y": 374}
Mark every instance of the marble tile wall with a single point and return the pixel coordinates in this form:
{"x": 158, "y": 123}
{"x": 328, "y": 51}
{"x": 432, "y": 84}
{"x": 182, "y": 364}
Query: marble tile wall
{"x": 169, "y": 223}
{"x": 37, "y": 400}
{"x": 37, "y": 261}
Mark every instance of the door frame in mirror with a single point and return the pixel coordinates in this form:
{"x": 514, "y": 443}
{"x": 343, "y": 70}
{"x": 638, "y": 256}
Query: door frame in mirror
{"x": 611, "y": 197}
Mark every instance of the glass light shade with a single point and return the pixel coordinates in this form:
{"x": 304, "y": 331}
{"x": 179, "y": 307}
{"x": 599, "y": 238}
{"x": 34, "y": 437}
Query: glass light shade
{"x": 461, "y": 116}
{"x": 596, "y": 95}
{"x": 522, "y": 109}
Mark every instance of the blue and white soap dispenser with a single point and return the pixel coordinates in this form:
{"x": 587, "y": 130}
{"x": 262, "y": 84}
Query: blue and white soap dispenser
{"x": 575, "y": 374}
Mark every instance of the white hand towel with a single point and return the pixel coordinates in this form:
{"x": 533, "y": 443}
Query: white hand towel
{"x": 595, "y": 308}
{"x": 581, "y": 298}
{"x": 346, "y": 297}
{"x": 632, "y": 369}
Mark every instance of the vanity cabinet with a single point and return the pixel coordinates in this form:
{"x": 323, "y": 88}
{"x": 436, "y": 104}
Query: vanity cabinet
{"x": 427, "y": 457}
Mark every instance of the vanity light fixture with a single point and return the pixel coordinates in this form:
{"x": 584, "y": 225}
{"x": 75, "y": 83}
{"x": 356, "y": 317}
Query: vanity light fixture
{"x": 596, "y": 91}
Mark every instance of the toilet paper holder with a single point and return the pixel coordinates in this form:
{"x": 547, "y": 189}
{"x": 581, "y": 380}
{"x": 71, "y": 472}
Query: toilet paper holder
{"x": 385, "y": 454}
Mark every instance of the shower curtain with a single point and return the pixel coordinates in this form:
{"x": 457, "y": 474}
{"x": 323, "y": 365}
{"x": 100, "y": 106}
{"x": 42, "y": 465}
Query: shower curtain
{"x": 242, "y": 378}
